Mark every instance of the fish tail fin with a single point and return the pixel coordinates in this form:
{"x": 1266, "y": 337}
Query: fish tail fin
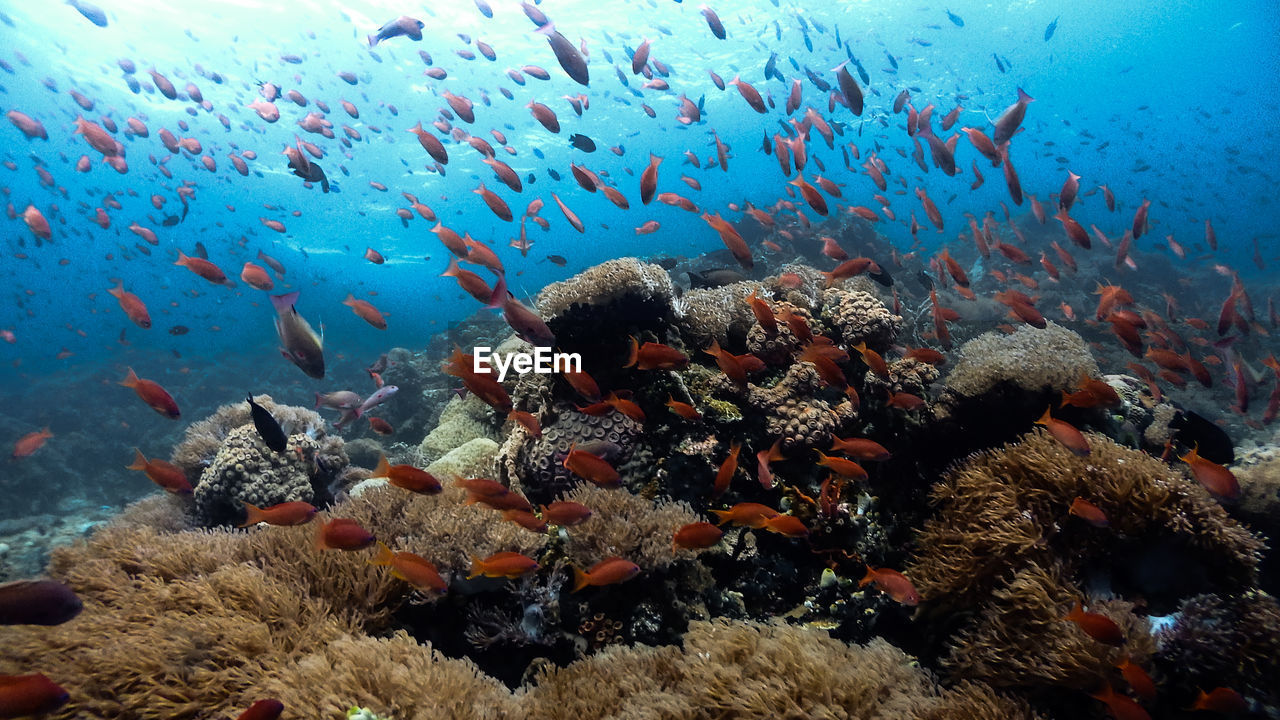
{"x": 317, "y": 405}
{"x": 1066, "y": 400}
{"x": 320, "y": 544}
{"x": 580, "y": 579}
{"x": 547, "y": 29}
{"x": 868, "y": 578}
{"x": 182, "y": 259}
{"x": 139, "y": 461}
{"x": 372, "y": 39}
{"x": 499, "y": 294}
{"x": 723, "y": 515}
{"x": 252, "y": 515}
{"x": 1023, "y": 96}
{"x": 131, "y": 380}
{"x": 477, "y": 567}
{"x": 384, "y": 467}
{"x": 384, "y": 555}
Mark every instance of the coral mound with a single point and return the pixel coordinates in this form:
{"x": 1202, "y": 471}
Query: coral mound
{"x": 1053, "y": 358}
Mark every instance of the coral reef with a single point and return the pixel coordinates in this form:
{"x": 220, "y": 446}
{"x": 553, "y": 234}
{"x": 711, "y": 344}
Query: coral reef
{"x": 245, "y": 470}
{"x": 1224, "y": 641}
{"x": 461, "y": 420}
{"x": 626, "y": 525}
{"x": 1053, "y": 358}
{"x": 859, "y": 317}
{"x": 796, "y": 412}
{"x": 623, "y": 279}
{"x": 536, "y": 466}
{"x": 204, "y": 438}
{"x": 716, "y": 314}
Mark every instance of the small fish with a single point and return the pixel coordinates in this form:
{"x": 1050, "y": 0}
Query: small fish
{"x": 407, "y": 477}
{"x": 1099, "y": 627}
{"x": 1050, "y": 30}
{"x": 1065, "y": 433}
{"x": 35, "y": 694}
{"x": 168, "y": 476}
{"x": 155, "y": 396}
{"x": 696, "y": 536}
{"x": 565, "y": 513}
{"x": 892, "y": 583}
{"x": 747, "y": 514}
{"x": 509, "y": 565}
{"x": 343, "y": 534}
{"x": 29, "y": 443}
{"x": 591, "y": 467}
{"x": 37, "y": 602}
{"x": 268, "y": 429}
{"x": 269, "y": 709}
{"x": 955, "y": 19}
{"x": 284, "y": 514}
{"x": 413, "y": 569}
{"x": 299, "y": 344}
{"x": 1088, "y": 512}
{"x": 582, "y": 142}
{"x": 1215, "y": 478}
{"x": 401, "y": 26}
{"x": 610, "y": 571}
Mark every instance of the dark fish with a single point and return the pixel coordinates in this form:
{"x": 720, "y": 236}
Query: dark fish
{"x": 1211, "y": 441}
{"x": 179, "y": 330}
{"x": 999, "y": 65}
{"x": 771, "y": 68}
{"x": 538, "y": 154}
{"x": 93, "y": 13}
{"x": 767, "y": 146}
{"x": 714, "y": 278}
{"x": 582, "y": 142}
{"x": 554, "y": 175}
{"x": 268, "y": 429}
{"x": 1048, "y": 32}
{"x": 558, "y": 260}
{"x": 925, "y": 280}
{"x": 574, "y": 65}
{"x": 201, "y": 251}
{"x": 883, "y": 277}
{"x": 37, "y": 602}
{"x": 170, "y": 220}
{"x": 955, "y": 19}
{"x": 892, "y": 60}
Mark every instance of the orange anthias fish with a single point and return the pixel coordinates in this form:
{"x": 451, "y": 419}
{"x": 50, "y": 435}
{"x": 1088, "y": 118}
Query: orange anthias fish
{"x": 366, "y": 311}
{"x": 696, "y": 536}
{"x": 508, "y": 565}
{"x": 162, "y": 473}
{"x": 413, "y": 569}
{"x": 591, "y": 467}
{"x": 727, "y": 468}
{"x": 1099, "y": 627}
{"x": 132, "y": 306}
{"x": 269, "y": 709}
{"x": 892, "y": 583}
{"x": 625, "y": 406}
{"x": 1088, "y": 512}
{"x": 1138, "y": 679}
{"x": 684, "y": 410}
{"x": 1221, "y": 700}
{"x": 287, "y": 513}
{"x": 729, "y": 364}
{"x": 655, "y": 356}
{"x": 860, "y": 448}
{"x": 343, "y": 534}
{"x": 873, "y": 360}
{"x": 565, "y": 513}
{"x": 156, "y": 397}
{"x": 1065, "y": 433}
{"x": 1121, "y": 707}
{"x": 35, "y": 694}
{"x": 29, "y": 443}
{"x": 842, "y": 466}
{"x": 786, "y": 525}
{"x": 764, "y": 314}
{"x": 749, "y": 514}
{"x": 610, "y": 571}
{"x": 407, "y": 476}
{"x": 1215, "y": 478}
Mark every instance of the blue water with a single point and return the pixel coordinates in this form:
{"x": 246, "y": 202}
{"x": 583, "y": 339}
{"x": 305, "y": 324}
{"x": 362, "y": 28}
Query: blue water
{"x": 1183, "y": 93}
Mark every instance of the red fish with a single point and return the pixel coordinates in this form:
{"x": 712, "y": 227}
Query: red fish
{"x": 132, "y": 306}
{"x": 696, "y": 536}
{"x": 610, "y": 571}
{"x": 342, "y": 534}
{"x": 407, "y": 477}
{"x": 35, "y": 694}
{"x": 155, "y": 396}
{"x": 649, "y": 179}
{"x": 255, "y": 276}
{"x": 413, "y": 569}
{"x": 1215, "y": 478}
{"x": 204, "y": 269}
{"x": 263, "y": 710}
{"x": 892, "y": 583}
{"x": 727, "y": 468}
{"x": 787, "y": 526}
{"x": 366, "y": 311}
{"x": 1099, "y": 627}
{"x": 729, "y": 364}
{"x": 1121, "y": 707}
{"x": 287, "y": 513}
{"x": 748, "y": 514}
{"x": 1088, "y": 512}
{"x": 29, "y": 443}
{"x": 655, "y": 356}
{"x": 684, "y": 410}
{"x": 1221, "y": 700}
{"x": 168, "y": 476}
{"x": 842, "y": 466}
{"x": 565, "y": 513}
{"x": 860, "y": 448}
{"x": 1138, "y": 679}
{"x": 1065, "y": 433}
{"x": 508, "y": 565}
{"x": 591, "y": 467}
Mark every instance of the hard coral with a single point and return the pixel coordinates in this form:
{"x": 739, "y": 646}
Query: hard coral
{"x": 536, "y": 466}
{"x": 859, "y": 317}
{"x": 626, "y": 525}
{"x": 717, "y": 314}
{"x": 607, "y": 283}
{"x": 203, "y": 438}
{"x": 461, "y": 420}
{"x": 245, "y": 470}
{"x": 1225, "y": 641}
{"x": 1053, "y": 358}
{"x": 795, "y": 411}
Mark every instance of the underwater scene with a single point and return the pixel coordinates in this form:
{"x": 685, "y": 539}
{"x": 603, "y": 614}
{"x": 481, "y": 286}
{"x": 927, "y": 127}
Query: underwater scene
{"x": 772, "y": 359}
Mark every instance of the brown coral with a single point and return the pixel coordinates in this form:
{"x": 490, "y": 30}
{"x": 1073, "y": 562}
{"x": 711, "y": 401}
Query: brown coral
{"x": 1033, "y": 359}
{"x": 607, "y": 283}
{"x": 1006, "y": 508}
{"x": 859, "y": 317}
{"x": 795, "y": 413}
{"x": 626, "y": 525}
